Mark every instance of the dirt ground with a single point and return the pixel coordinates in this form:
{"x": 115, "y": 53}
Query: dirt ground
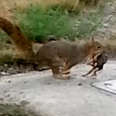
{"x": 44, "y": 95}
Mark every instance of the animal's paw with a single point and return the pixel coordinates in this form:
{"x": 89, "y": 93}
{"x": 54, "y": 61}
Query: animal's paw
{"x": 61, "y": 76}
{"x": 93, "y": 76}
{"x": 84, "y": 75}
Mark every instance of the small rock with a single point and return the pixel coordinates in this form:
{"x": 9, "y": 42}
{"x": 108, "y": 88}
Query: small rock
{"x": 8, "y": 95}
{"x": 21, "y": 92}
{"x": 9, "y": 81}
{"x": 3, "y": 73}
{"x": 5, "y": 65}
{"x": 48, "y": 83}
{"x": 1, "y": 99}
{"x": 25, "y": 82}
{"x": 80, "y": 84}
{"x": 5, "y": 91}
{"x": 24, "y": 102}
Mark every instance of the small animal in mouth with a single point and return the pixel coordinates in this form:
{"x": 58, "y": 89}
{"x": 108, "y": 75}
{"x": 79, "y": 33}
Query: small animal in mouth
{"x": 97, "y": 63}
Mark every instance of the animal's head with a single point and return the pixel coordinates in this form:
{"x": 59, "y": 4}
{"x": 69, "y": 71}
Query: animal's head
{"x": 94, "y": 48}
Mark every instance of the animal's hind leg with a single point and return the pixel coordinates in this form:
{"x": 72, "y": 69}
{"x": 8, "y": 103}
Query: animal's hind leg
{"x": 66, "y": 71}
{"x": 60, "y": 73}
{"x": 59, "y": 70}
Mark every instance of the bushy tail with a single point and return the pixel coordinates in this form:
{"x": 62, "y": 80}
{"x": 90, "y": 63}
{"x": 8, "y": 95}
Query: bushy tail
{"x": 17, "y": 37}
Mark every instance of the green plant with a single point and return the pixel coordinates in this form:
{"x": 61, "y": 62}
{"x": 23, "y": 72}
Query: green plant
{"x": 38, "y": 23}
{"x": 87, "y": 24}
{"x": 3, "y": 37}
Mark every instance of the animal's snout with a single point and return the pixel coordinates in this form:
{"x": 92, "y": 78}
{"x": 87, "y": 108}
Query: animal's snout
{"x": 93, "y": 57}
{"x": 89, "y": 61}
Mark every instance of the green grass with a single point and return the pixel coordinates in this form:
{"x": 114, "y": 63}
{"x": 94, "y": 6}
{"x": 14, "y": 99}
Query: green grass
{"x": 14, "y": 110}
{"x": 38, "y": 23}
{"x": 3, "y": 37}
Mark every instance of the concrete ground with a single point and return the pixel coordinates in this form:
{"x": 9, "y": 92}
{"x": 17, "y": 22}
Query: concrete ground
{"x": 50, "y": 97}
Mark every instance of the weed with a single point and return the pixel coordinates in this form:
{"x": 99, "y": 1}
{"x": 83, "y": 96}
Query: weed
{"x": 87, "y": 24}
{"x": 38, "y": 23}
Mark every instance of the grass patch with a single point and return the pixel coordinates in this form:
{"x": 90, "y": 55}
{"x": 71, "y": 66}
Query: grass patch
{"x": 3, "y": 38}
{"x": 14, "y": 110}
{"x": 86, "y": 24}
{"x": 38, "y": 23}
{"x": 6, "y": 53}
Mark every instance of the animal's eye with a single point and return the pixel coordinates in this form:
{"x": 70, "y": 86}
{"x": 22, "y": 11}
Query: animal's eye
{"x": 98, "y": 47}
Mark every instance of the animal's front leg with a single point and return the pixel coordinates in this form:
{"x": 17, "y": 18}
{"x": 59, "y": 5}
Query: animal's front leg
{"x": 95, "y": 73}
{"x": 84, "y": 75}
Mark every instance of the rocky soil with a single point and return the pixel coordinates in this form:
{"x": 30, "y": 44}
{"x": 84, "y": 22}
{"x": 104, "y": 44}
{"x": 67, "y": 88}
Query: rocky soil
{"x": 15, "y": 68}
{"x": 108, "y": 31}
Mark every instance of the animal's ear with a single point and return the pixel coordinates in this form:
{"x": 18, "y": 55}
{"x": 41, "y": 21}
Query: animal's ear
{"x": 92, "y": 39}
